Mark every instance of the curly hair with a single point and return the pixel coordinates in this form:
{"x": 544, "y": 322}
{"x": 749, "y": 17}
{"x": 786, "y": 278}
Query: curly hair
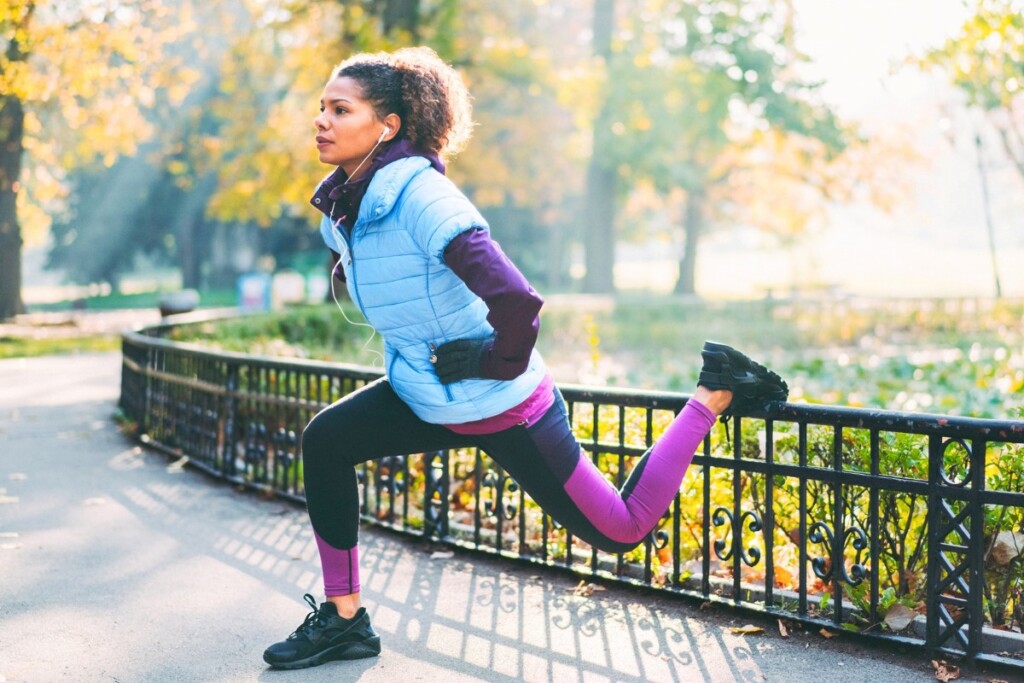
{"x": 426, "y": 93}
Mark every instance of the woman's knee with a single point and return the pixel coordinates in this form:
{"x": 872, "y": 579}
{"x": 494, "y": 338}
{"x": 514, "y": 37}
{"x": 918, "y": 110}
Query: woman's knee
{"x": 319, "y": 438}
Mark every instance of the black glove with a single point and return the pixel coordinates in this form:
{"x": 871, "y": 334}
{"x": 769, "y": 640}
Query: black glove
{"x": 461, "y": 359}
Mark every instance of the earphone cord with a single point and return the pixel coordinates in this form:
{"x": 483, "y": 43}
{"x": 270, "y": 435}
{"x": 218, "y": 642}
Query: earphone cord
{"x": 372, "y": 150}
{"x": 334, "y": 270}
{"x": 373, "y": 330}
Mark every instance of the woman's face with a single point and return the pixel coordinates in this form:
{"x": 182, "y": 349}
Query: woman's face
{"x": 347, "y": 128}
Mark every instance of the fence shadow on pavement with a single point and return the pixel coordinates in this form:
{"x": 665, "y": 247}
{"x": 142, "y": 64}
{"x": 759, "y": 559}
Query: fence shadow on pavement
{"x": 465, "y": 613}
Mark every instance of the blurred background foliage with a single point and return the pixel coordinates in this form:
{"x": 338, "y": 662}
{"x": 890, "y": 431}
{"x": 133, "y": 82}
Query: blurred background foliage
{"x": 138, "y": 133}
{"x": 954, "y": 357}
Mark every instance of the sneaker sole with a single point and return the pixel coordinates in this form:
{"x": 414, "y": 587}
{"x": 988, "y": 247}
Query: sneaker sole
{"x": 345, "y": 651}
{"x": 756, "y": 381}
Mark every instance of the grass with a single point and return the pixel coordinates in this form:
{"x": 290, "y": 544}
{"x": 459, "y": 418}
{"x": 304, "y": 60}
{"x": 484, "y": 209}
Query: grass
{"x": 962, "y": 357}
{"x": 26, "y": 339}
{"x": 212, "y": 298}
{"x": 22, "y": 347}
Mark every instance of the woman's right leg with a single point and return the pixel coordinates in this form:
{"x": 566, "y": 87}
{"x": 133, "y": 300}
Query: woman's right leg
{"x": 368, "y": 424}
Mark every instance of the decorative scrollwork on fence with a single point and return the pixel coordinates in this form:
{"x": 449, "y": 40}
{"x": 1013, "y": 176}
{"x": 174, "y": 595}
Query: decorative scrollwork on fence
{"x": 858, "y": 572}
{"x": 255, "y": 446}
{"x": 724, "y": 550}
{"x": 951, "y": 479}
{"x": 284, "y": 473}
{"x": 820, "y": 532}
{"x": 284, "y": 447}
{"x": 660, "y": 539}
{"x": 436, "y": 506}
{"x": 498, "y": 505}
{"x": 390, "y": 477}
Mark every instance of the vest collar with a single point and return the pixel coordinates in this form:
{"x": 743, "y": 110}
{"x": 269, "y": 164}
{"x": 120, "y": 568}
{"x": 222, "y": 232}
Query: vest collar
{"x": 339, "y": 200}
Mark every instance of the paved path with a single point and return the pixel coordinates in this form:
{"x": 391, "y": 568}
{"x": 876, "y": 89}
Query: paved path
{"x": 116, "y": 565}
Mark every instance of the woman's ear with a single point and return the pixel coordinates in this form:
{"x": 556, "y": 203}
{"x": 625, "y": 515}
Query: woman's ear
{"x": 392, "y": 124}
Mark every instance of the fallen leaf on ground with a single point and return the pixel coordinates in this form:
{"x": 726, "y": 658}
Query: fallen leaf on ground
{"x": 746, "y": 630}
{"x": 442, "y": 555}
{"x": 944, "y": 671}
{"x": 18, "y": 476}
{"x": 585, "y": 589}
{"x": 828, "y": 634}
{"x": 783, "y": 631}
{"x": 899, "y": 617}
{"x": 178, "y": 465}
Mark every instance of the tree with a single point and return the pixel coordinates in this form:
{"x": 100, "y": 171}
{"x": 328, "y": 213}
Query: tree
{"x": 75, "y": 80}
{"x": 708, "y": 90}
{"x": 514, "y": 168}
{"x": 523, "y": 166}
{"x": 15, "y": 23}
{"x": 274, "y": 73}
{"x": 986, "y": 61}
{"x": 602, "y": 177}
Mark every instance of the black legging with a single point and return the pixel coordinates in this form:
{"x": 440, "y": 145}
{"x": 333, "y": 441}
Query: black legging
{"x": 544, "y": 458}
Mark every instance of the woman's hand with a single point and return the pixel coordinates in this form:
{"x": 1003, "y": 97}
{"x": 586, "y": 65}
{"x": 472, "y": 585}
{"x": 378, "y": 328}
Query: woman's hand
{"x": 461, "y": 359}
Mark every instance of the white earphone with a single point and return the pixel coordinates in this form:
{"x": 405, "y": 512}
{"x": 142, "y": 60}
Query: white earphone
{"x": 383, "y": 134}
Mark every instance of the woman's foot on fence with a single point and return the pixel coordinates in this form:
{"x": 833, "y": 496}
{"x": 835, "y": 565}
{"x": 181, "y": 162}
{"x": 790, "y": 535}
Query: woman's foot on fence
{"x": 752, "y": 384}
{"x": 323, "y": 637}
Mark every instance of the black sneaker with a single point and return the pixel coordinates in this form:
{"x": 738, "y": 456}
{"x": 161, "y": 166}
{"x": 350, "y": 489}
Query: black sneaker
{"x": 323, "y": 637}
{"x": 752, "y": 384}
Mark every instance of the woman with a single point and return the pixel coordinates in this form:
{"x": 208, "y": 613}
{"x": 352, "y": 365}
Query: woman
{"x": 459, "y": 323}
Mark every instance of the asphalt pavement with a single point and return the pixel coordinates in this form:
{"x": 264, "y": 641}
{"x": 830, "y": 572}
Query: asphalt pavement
{"x": 119, "y": 564}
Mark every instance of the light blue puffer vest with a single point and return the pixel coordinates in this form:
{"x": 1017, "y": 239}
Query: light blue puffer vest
{"x": 396, "y": 274}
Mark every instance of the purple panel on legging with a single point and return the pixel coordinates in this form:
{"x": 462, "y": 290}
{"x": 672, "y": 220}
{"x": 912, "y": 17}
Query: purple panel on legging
{"x": 341, "y": 568}
{"x": 627, "y": 517}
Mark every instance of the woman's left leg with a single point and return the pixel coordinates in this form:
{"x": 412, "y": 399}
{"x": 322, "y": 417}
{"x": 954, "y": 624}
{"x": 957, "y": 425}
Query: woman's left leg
{"x": 546, "y": 460}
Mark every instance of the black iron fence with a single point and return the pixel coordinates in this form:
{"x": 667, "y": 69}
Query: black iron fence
{"x": 901, "y": 526}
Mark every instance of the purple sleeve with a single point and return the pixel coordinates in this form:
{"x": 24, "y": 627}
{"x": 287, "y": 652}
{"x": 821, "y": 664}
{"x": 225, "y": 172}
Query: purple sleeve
{"x": 512, "y": 304}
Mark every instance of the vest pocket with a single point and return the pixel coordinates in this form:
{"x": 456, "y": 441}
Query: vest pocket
{"x": 433, "y": 359}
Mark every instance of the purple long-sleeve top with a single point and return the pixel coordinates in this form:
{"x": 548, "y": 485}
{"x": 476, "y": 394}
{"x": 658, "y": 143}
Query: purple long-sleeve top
{"x": 512, "y": 304}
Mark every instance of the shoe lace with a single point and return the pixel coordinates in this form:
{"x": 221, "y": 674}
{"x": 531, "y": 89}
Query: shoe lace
{"x": 313, "y": 620}
{"x": 725, "y": 419}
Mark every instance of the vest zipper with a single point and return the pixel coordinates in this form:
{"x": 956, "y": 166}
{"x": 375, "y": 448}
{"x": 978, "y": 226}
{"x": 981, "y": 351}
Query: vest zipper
{"x": 433, "y": 359}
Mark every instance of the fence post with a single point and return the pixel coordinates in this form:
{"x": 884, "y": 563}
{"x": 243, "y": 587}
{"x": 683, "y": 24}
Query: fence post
{"x": 436, "y": 503}
{"x": 229, "y": 418}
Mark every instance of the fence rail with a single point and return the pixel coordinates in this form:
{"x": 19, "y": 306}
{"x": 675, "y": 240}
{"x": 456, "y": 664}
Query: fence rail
{"x": 899, "y": 526}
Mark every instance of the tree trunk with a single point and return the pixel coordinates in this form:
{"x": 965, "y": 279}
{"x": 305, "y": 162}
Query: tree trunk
{"x": 188, "y": 253}
{"x": 555, "y": 256}
{"x": 599, "y": 230}
{"x": 693, "y": 226}
{"x": 12, "y": 145}
{"x": 403, "y": 15}
{"x": 193, "y": 234}
{"x": 599, "y": 207}
{"x": 12, "y": 131}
